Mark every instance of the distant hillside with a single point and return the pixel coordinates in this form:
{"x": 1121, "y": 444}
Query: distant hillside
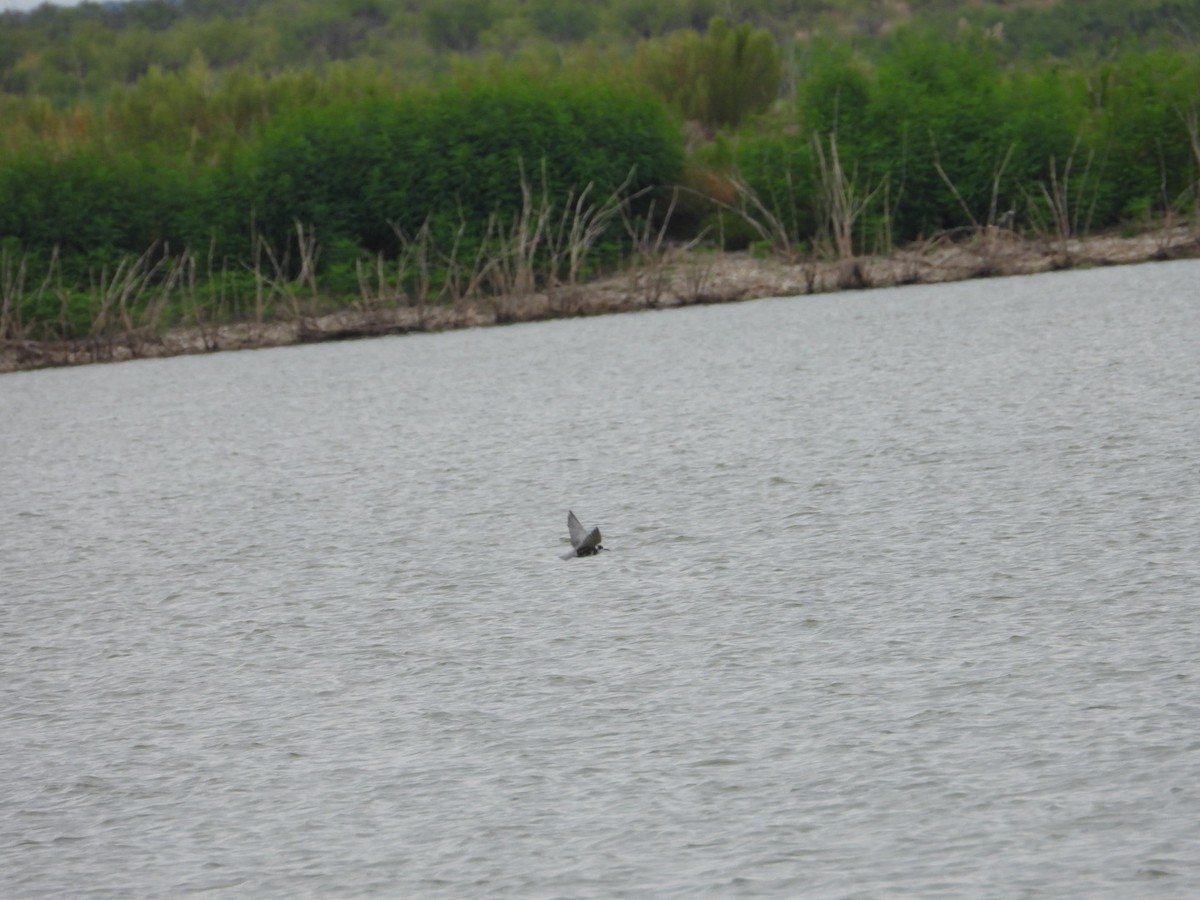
{"x": 71, "y": 53}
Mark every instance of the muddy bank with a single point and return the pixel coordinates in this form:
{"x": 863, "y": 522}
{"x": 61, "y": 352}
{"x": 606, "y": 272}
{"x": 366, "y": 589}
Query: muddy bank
{"x": 674, "y": 280}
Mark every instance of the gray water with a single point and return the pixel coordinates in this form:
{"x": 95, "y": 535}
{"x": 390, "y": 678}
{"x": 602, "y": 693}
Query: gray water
{"x": 902, "y": 601}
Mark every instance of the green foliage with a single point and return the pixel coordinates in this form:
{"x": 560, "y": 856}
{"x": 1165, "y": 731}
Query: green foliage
{"x": 938, "y": 105}
{"x": 1085, "y": 27}
{"x": 834, "y": 92}
{"x": 1138, "y": 128}
{"x": 717, "y": 78}
{"x": 93, "y": 205}
{"x": 457, "y": 24}
{"x": 456, "y": 155}
{"x": 187, "y": 161}
{"x": 563, "y": 20}
{"x": 650, "y": 18}
{"x": 68, "y": 54}
{"x": 940, "y": 135}
{"x": 782, "y": 173}
{"x": 152, "y": 127}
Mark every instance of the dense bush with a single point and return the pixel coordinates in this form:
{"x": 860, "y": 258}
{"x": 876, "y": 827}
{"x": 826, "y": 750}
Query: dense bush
{"x": 942, "y": 135}
{"x": 456, "y": 156}
{"x": 95, "y": 206}
{"x": 1066, "y": 29}
{"x": 457, "y": 24}
{"x": 1142, "y": 103}
{"x": 184, "y": 142}
{"x": 717, "y": 78}
{"x": 179, "y": 164}
{"x": 69, "y": 53}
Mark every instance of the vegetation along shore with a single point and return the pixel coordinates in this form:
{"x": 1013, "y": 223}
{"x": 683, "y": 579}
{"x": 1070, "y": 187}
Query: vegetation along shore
{"x": 472, "y": 162}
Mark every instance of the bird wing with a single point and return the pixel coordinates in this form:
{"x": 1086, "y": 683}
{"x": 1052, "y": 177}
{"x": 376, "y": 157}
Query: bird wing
{"x": 592, "y": 540}
{"x": 578, "y": 535}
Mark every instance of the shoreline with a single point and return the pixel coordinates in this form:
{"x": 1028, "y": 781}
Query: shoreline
{"x": 676, "y": 279}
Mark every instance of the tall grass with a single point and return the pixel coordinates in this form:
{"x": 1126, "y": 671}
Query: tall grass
{"x": 550, "y": 245}
{"x": 312, "y": 194}
{"x": 935, "y": 138}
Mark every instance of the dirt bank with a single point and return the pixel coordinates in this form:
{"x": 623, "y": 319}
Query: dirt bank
{"x": 677, "y": 279}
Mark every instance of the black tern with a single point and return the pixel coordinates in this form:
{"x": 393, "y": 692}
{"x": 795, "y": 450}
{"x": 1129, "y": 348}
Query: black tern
{"x": 585, "y": 543}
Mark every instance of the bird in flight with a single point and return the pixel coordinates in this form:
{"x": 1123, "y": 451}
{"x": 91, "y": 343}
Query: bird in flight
{"x": 584, "y": 543}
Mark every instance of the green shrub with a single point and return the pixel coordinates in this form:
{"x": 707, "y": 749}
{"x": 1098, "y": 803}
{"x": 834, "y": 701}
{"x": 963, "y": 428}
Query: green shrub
{"x": 94, "y": 205}
{"x": 952, "y": 137}
{"x": 718, "y": 78}
{"x": 457, "y": 24}
{"x": 455, "y": 156}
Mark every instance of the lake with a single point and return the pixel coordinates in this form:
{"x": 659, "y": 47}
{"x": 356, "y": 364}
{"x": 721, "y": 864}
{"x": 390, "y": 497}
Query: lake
{"x": 902, "y": 599}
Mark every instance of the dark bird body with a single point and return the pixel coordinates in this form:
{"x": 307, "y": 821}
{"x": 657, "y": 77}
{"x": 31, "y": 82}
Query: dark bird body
{"x": 585, "y": 543}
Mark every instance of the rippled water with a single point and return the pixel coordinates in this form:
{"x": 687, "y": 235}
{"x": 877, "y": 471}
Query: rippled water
{"x": 902, "y": 602}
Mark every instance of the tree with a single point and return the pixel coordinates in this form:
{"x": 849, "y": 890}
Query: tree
{"x": 717, "y": 78}
{"x": 457, "y": 24}
{"x": 563, "y": 20}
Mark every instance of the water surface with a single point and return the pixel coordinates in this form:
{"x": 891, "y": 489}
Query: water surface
{"x": 901, "y": 601}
